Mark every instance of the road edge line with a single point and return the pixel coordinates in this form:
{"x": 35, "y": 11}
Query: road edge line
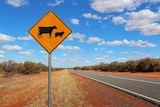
{"x": 143, "y": 97}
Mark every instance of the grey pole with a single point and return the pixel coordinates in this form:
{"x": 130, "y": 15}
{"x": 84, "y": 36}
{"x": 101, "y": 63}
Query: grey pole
{"x": 49, "y": 80}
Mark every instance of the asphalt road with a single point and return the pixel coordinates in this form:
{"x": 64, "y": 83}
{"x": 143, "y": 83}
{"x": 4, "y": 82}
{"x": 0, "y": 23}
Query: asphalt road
{"x": 146, "y": 88}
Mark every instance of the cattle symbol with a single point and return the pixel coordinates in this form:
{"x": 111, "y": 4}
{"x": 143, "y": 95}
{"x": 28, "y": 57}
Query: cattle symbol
{"x": 46, "y": 30}
{"x": 59, "y": 34}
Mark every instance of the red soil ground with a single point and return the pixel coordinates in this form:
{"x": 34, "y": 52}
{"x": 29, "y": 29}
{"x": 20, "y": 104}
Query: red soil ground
{"x": 20, "y": 90}
{"x": 16, "y": 91}
{"x": 141, "y": 74}
{"x": 99, "y": 95}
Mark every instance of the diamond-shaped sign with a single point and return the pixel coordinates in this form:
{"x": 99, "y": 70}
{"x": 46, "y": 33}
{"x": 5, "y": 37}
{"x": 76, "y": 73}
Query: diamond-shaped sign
{"x": 50, "y": 31}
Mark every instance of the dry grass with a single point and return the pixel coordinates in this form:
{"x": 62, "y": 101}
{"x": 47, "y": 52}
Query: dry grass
{"x": 66, "y": 91}
{"x": 18, "y": 90}
{"x": 32, "y": 91}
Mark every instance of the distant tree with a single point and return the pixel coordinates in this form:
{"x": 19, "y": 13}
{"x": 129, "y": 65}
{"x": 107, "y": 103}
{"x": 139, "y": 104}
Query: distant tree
{"x": 95, "y": 67}
{"x": 30, "y": 68}
{"x": 0, "y": 67}
{"x": 85, "y": 68}
{"x": 145, "y": 65}
{"x": 156, "y": 64}
{"x": 8, "y": 68}
{"x": 77, "y": 68}
{"x": 103, "y": 67}
{"x": 41, "y": 67}
{"x": 122, "y": 67}
{"x": 19, "y": 68}
{"x": 131, "y": 65}
{"x": 57, "y": 69}
{"x": 113, "y": 66}
{"x": 142, "y": 65}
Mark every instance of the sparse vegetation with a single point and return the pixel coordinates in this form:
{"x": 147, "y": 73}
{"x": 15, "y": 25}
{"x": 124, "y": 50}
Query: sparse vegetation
{"x": 9, "y": 68}
{"x": 31, "y": 91}
{"x": 141, "y": 65}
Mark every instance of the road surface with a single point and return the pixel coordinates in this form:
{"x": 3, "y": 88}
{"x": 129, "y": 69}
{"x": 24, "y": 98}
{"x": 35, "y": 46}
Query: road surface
{"x": 142, "y": 87}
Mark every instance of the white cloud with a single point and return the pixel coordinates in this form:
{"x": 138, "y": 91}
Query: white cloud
{"x": 153, "y": 1}
{"x": 43, "y": 52}
{"x": 54, "y": 58}
{"x": 114, "y": 43}
{"x": 64, "y": 55}
{"x": 87, "y": 23}
{"x": 99, "y": 59}
{"x": 2, "y": 52}
{"x": 27, "y": 53}
{"x": 134, "y": 52}
{"x": 91, "y": 16}
{"x": 76, "y": 36}
{"x": 150, "y": 45}
{"x": 17, "y": 3}
{"x": 25, "y": 38}
{"x": 75, "y": 21}
{"x": 1, "y": 56}
{"x": 144, "y": 20}
{"x": 122, "y": 59}
{"x": 97, "y": 49}
{"x": 139, "y": 43}
{"x": 118, "y": 20}
{"x": 111, "y": 5}
{"x": 102, "y": 43}
{"x": 6, "y": 38}
{"x": 87, "y": 61}
{"x": 11, "y": 48}
{"x": 93, "y": 40}
{"x": 94, "y": 16}
{"x": 74, "y": 3}
{"x": 118, "y": 5}
{"x": 57, "y": 2}
{"x": 110, "y": 52}
{"x": 68, "y": 48}
{"x": 102, "y": 59}
{"x": 74, "y": 60}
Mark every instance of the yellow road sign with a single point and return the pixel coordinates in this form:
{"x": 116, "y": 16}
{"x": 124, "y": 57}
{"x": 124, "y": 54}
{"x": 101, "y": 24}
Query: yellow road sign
{"x": 50, "y": 31}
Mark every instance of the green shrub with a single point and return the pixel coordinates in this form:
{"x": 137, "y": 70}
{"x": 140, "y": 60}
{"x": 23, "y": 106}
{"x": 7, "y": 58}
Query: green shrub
{"x": 8, "y": 68}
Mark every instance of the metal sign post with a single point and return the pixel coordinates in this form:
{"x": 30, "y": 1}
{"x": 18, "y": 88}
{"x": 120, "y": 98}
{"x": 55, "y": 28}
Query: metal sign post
{"x": 49, "y": 32}
{"x": 49, "y": 80}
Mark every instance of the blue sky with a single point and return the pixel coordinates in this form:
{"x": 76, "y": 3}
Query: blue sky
{"x": 102, "y": 31}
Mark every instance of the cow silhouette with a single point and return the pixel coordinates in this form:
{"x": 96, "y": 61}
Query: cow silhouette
{"x": 46, "y": 30}
{"x": 59, "y": 34}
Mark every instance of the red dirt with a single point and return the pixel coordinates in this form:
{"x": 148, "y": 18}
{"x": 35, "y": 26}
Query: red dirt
{"x": 19, "y": 90}
{"x": 141, "y": 74}
{"x": 99, "y": 95}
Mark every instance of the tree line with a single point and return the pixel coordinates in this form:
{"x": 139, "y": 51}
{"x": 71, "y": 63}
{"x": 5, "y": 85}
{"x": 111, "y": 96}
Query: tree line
{"x": 142, "y": 65}
{"x": 10, "y": 67}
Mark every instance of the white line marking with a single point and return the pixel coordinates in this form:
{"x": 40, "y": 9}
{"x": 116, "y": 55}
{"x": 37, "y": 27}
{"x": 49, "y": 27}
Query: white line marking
{"x": 150, "y": 82}
{"x": 123, "y": 89}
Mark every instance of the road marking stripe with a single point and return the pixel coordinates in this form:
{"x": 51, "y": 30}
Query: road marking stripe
{"x": 150, "y": 82}
{"x": 156, "y": 101}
